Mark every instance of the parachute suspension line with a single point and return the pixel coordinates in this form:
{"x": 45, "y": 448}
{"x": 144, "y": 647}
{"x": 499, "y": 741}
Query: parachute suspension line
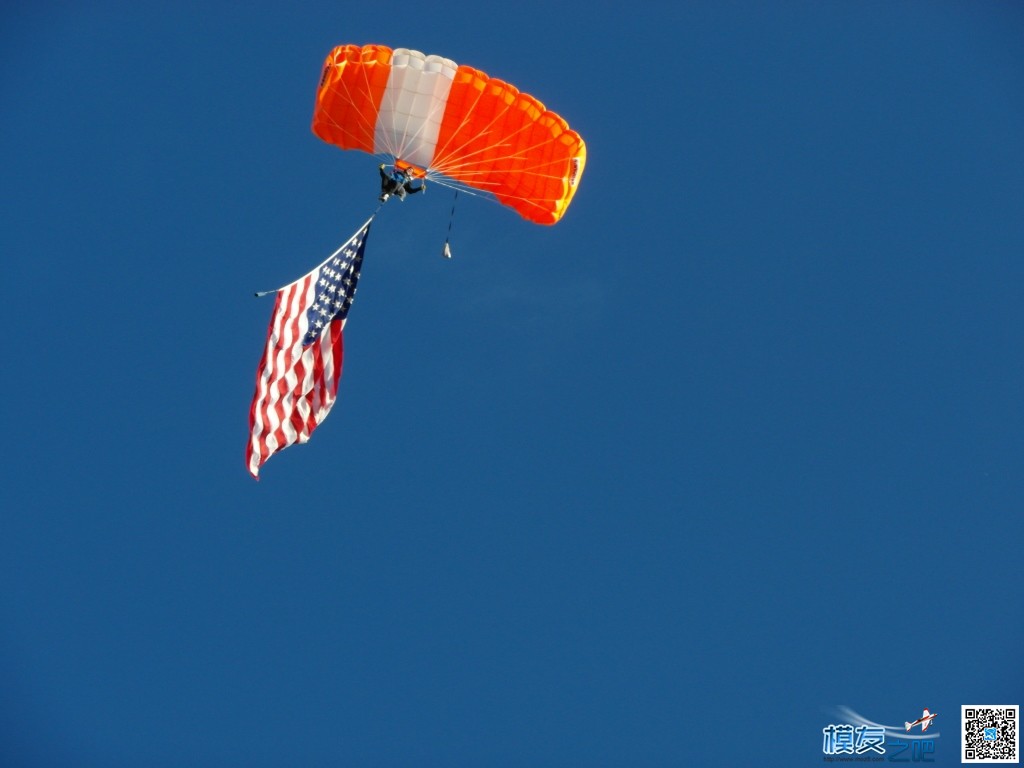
{"x": 458, "y": 186}
{"x": 447, "y": 251}
{"x": 436, "y": 177}
{"x": 496, "y": 120}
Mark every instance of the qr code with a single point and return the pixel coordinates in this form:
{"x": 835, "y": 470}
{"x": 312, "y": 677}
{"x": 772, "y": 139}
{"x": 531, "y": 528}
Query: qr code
{"x": 991, "y": 733}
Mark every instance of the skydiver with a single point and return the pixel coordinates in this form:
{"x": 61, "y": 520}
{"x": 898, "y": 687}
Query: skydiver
{"x": 398, "y": 183}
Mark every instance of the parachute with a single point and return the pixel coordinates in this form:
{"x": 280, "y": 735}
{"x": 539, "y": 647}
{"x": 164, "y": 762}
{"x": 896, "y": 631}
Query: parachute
{"x": 452, "y": 124}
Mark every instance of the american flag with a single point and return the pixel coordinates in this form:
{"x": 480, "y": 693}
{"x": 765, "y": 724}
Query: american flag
{"x": 297, "y": 379}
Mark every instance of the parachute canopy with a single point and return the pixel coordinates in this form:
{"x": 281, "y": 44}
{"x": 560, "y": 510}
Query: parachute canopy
{"x": 445, "y": 120}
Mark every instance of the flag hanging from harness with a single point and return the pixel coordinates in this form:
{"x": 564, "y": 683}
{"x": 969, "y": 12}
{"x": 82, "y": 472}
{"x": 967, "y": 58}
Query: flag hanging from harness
{"x": 297, "y": 379}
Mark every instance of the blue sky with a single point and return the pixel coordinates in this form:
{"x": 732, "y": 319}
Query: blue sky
{"x": 735, "y": 443}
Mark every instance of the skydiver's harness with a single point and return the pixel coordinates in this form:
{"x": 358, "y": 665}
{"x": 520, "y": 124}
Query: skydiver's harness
{"x": 396, "y": 183}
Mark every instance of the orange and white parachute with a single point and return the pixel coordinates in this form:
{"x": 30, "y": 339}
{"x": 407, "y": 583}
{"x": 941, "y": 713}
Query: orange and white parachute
{"x": 451, "y": 123}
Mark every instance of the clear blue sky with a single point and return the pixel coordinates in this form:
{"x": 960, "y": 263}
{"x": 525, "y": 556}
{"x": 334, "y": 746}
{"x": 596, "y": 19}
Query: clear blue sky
{"x": 738, "y": 441}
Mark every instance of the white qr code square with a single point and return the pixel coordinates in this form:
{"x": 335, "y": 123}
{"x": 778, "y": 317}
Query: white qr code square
{"x": 991, "y": 733}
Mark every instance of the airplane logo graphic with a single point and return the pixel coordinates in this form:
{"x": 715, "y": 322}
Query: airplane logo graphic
{"x": 924, "y": 721}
